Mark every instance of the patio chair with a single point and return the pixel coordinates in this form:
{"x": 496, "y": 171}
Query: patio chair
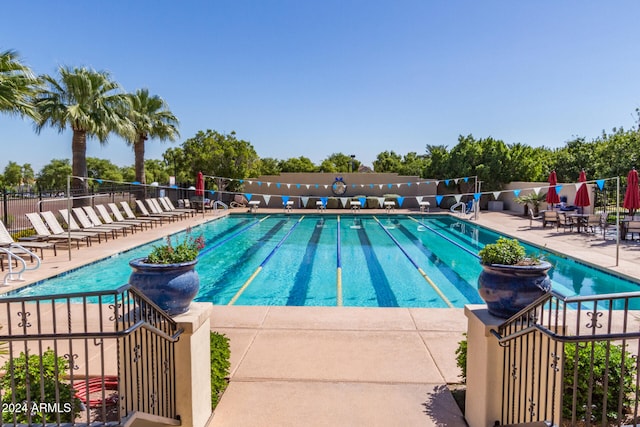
{"x": 119, "y": 218}
{"x": 533, "y": 217}
{"x": 106, "y": 218}
{"x": 7, "y": 242}
{"x": 57, "y": 230}
{"x": 42, "y": 232}
{"x": 130, "y": 215}
{"x": 550, "y": 217}
{"x": 565, "y": 221}
{"x": 72, "y": 225}
{"x": 592, "y": 222}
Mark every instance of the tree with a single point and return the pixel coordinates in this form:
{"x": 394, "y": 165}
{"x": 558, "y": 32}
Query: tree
{"x": 156, "y": 171}
{"x": 89, "y": 103}
{"x": 175, "y": 161}
{"x": 53, "y": 176}
{"x": 269, "y": 166}
{"x": 102, "y": 169}
{"x": 387, "y": 161}
{"x": 412, "y": 165}
{"x": 220, "y": 155}
{"x": 297, "y": 164}
{"x": 437, "y": 162}
{"x": 17, "y": 86}
{"x": 339, "y": 162}
{"x": 13, "y": 174}
{"x": 151, "y": 118}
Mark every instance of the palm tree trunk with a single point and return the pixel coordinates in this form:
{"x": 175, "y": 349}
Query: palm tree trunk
{"x": 138, "y": 150}
{"x": 79, "y": 167}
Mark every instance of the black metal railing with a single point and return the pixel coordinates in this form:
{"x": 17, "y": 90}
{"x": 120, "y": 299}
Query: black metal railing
{"x": 94, "y": 358}
{"x": 572, "y": 361}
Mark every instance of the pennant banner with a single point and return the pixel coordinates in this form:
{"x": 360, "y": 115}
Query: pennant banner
{"x": 600, "y": 183}
{"x": 363, "y": 201}
{"x": 419, "y": 199}
{"x": 458, "y": 197}
{"x": 380, "y": 202}
{"x": 496, "y": 194}
{"x": 304, "y": 199}
{"x": 248, "y": 196}
{"x": 285, "y": 199}
{"x": 476, "y": 196}
{"x": 516, "y": 193}
{"x": 400, "y": 201}
{"x": 266, "y": 198}
{"x": 439, "y": 199}
{"x": 343, "y": 201}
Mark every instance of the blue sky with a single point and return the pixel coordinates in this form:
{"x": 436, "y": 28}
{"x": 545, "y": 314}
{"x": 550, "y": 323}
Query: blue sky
{"x": 319, "y": 77}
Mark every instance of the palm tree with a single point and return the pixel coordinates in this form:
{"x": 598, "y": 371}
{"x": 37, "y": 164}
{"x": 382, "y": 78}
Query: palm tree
{"x": 88, "y": 102}
{"x": 17, "y": 85}
{"x": 151, "y": 118}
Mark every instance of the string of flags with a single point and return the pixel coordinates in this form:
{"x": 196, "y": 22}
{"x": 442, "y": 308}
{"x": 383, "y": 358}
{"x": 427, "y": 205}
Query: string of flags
{"x": 345, "y": 199}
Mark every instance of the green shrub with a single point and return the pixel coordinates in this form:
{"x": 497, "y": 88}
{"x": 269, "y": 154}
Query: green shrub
{"x": 504, "y": 251}
{"x": 23, "y": 233}
{"x": 461, "y": 358}
{"x": 43, "y": 372}
{"x": 220, "y": 364}
{"x": 585, "y": 368}
{"x": 619, "y": 383}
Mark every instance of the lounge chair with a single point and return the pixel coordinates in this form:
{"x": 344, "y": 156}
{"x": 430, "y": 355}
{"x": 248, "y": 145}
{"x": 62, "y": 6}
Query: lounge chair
{"x": 87, "y": 224}
{"x": 130, "y": 215}
{"x": 119, "y": 218}
{"x": 145, "y": 213}
{"x": 97, "y": 222}
{"x": 57, "y": 230}
{"x": 44, "y": 233}
{"x": 156, "y": 209}
{"x": 106, "y": 218}
{"x": 7, "y": 242}
{"x": 72, "y": 225}
{"x": 169, "y": 207}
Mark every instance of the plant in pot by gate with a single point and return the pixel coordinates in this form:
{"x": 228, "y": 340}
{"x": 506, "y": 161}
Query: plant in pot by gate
{"x": 167, "y": 275}
{"x": 532, "y": 199}
{"x": 510, "y": 281}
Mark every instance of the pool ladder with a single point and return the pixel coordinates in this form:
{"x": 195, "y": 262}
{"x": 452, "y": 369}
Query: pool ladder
{"x": 11, "y": 256}
{"x": 219, "y": 203}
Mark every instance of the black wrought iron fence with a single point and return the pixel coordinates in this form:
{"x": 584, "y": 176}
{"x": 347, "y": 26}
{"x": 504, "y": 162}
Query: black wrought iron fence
{"x": 80, "y": 359}
{"x": 14, "y": 205}
{"x": 572, "y": 361}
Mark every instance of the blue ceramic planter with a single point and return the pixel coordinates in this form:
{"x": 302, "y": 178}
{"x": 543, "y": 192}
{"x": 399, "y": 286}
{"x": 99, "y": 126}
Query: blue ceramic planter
{"x": 507, "y": 289}
{"x": 171, "y": 286}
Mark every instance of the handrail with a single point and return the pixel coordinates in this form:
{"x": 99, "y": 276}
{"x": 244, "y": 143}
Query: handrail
{"x": 219, "y": 203}
{"x": 12, "y": 255}
{"x": 462, "y": 205}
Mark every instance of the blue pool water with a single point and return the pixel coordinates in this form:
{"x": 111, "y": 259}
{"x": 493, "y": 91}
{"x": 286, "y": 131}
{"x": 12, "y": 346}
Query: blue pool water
{"x": 325, "y": 260}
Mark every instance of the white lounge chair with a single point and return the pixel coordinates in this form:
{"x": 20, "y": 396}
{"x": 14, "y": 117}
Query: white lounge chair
{"x": 57, "y": 230}
{"x": 156, "y": 209}
{"x": 23, "y": 247}
{"x": 44, "y": 233}
{"x": 73, "y": 226}
{"x": 86, "y": 223}
{"x": 143, "y": 210}
{"x": 119, "y": 218}
{"x": 106, "y": 218}
{"x": 97, "y": 222}
{"x": 169, "y": 207}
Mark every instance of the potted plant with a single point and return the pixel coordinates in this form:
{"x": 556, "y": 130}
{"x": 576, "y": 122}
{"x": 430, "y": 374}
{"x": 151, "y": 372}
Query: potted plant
{"x": 167, "y": 275}
{"x": 510, "y": 281}
{"x": 532, "y": 199}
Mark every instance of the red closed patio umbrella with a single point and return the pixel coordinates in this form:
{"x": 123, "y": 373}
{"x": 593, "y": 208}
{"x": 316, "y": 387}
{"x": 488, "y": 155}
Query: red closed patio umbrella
{"x": 552, "y": 196}
{"x": 632, "y": 195}
{"x": 582, "y": 195}
{"x": 200, "y": 185}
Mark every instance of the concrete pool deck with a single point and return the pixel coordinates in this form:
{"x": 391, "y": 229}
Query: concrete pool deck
{"x": 344, "y": 365}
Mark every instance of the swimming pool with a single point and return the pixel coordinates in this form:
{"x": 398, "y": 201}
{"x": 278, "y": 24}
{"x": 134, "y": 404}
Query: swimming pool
{"x": 329, "y": 260}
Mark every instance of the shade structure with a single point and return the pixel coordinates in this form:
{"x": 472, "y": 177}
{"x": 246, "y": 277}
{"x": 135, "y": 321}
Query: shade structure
{"x": 200, "y": 185}
{"x": 632, "y": 195}
{"x": 552, "y": 196}
{"x": 582, "y": 195}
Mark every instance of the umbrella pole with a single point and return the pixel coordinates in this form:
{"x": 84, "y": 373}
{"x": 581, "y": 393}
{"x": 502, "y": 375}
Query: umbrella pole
{"x": 617, "y": 220}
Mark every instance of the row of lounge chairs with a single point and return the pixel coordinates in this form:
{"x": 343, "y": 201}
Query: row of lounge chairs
{"x": 85, "y": 225}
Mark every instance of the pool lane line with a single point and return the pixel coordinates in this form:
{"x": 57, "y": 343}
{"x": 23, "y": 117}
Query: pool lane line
{"x": 234, "y": 235}
{"x": 415, "y": 264}
{"x": 445, "y": 237}
{"x": 338, "y": 267}
{"x": 263, "y": 263}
